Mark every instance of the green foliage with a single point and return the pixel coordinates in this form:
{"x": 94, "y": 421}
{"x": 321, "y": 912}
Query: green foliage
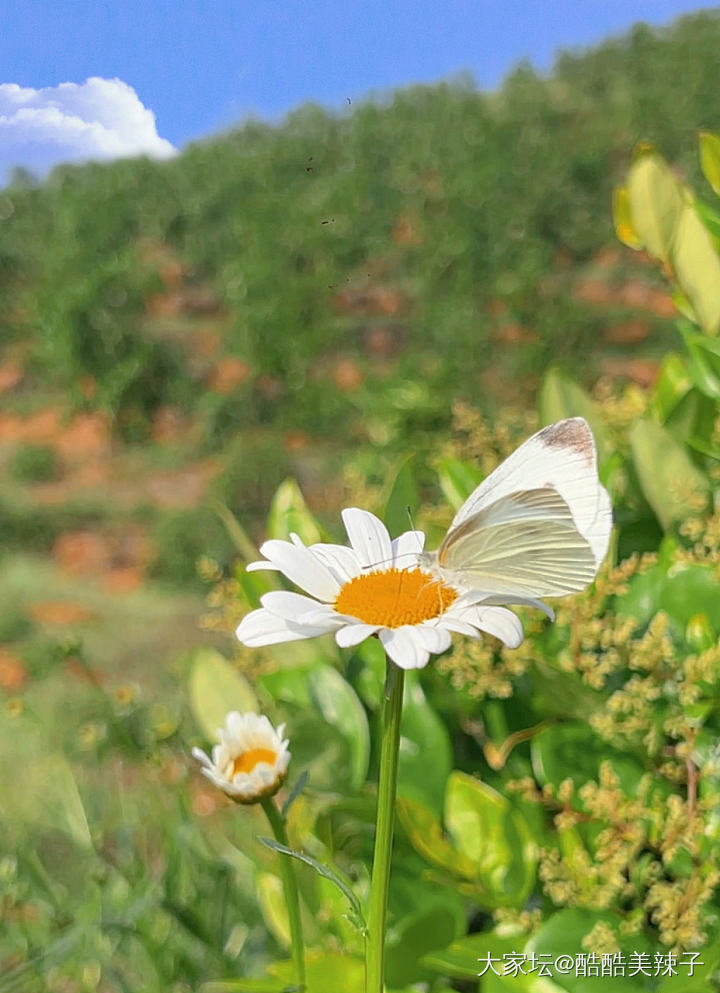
{"x": 560, "y": 798}
{"x": 34, "y": 464}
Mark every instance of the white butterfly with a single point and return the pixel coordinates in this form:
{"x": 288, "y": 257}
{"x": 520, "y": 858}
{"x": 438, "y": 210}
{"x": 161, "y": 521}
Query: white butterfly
{"x": 539, "y": 525}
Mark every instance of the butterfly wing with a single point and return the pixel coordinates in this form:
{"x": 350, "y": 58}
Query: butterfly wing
{"x": 561, "y": 456}
{"x": 524, "y": 544}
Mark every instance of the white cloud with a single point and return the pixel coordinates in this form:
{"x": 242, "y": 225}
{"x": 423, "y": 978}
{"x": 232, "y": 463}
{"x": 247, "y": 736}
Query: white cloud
{"x": 99, "y": 119}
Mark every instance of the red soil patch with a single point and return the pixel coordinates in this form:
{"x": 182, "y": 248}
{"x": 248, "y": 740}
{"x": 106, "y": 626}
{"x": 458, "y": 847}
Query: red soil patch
{"x": 347, "y": 375}
{"x": 59, "y": 612}
{"x": 516, "y": 334}
{"x": 184, "y": 488}
{"x": 644, "y": 372}
{"x": 628, "y": 333}
{"x": 123, "y": 580}
{"x": 169, "y": 425}
{"x": 41, "y": 428}
{"x": 228, "y": 374}
{"x": 370, "y": 300}
{"x": 632, "y": 294}
{"x": 96, "y": 553}
{"x": 13, "y": 674}
{"x": 407, "y": 231}
{"x": 10, "y": 375}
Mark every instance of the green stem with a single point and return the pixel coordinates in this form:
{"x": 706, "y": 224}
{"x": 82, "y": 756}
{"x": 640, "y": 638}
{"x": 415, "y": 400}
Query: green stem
{"x": 392, "y": 709}
{"x": 292, "y": 899}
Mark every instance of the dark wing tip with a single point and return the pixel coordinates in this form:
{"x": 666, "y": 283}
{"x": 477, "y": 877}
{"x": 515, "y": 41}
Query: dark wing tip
{"x": 573, "y": 432}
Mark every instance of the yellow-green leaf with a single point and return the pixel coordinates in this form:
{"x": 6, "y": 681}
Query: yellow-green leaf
{"x": 290, "y": 514}
{"x": 622, "y": 218}
{"x": 697, "y": 268}
{"x": 710, "y": 158}
{"x": 671, "y": 482}
{"x": 215, "y": 689}
{"x": 655, "y": 203}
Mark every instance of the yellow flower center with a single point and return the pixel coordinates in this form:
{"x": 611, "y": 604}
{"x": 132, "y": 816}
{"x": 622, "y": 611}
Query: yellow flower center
{"x": 248, "y": 760}
{"x": 393, "y": 597}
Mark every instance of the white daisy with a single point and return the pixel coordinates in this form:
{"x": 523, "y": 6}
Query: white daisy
{"x": 539, "y": 525}
{"x": 251, "y": 760}
{"x": 373, "y": 587}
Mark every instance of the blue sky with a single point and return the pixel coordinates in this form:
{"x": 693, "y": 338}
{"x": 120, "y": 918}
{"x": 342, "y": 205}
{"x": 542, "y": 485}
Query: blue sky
{"x": 201, "y": 65}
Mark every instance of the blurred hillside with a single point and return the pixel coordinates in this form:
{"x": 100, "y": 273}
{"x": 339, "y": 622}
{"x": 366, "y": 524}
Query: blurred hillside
{"x": 280, "y": 297}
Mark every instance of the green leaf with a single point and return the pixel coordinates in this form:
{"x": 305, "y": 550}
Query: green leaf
{"x": 216, "y": 689}
{"x": 560, "y": 397}
{"x": 493, "y": 835}
{"x": 289, "y": 514}
{"x": 572, "y": 751}
{"x": 48, "y": 796}
{"x": 687, "y": 591}
{"x": 457, "y": 480}
{"x": 466, "y": 957}
{"x": 701, "y": 980}
{"x": 426, "y": 836}
{"x": 271, "y": 900}
{"x": 295, "y": 792}
{"x": 339, "y": 705}
{"x": 403, "y": 496}
{"x": 323, "y": 870}
{"x": 326, "y": 972}
{"x": 655, "y": 202}
{"x": 563, "y": 933}
{"x": 246, "y": 986}
{"x": 670, "y": 481}
{"x": 697, "y": 268}
{"x": 672, "y": 385}
{"x": 411, "y": 938}
{"x": 425, "y": 758}
{"x": 710, "y": 159}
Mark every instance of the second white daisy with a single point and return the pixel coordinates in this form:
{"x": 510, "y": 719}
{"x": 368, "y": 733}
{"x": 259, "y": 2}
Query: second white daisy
{"x": 251, "y": 760}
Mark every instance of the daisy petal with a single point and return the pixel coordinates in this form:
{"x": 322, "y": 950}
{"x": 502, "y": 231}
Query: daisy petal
{"x": 407, "y": 548}
{"x": 459, "y": 626}
{"x": 497, "y": 621}
{"x": 323, "y": 616}
{"x": 290, "y": 606}
{"x": 262, "y": 564}
{"x": 404, "y": 647}
{"x": 353, "y": 634}
{"x": 260, "y": 627}
{"x": 435, "y": 639}
{"x": 342, "y": 562}
{"x": 302, "y": 567}
{"x": 368, "y": 536}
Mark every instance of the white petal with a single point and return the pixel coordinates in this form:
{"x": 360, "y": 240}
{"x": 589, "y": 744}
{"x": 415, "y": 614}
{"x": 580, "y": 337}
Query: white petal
{"x": 262, "y": 564}
{"x": 260, "y": 628}
{"x": 497, "y": 621}
{"x": 452, "y": 623}
{"x": 342, "y": 562}
{"x": 323, "y": 616}
{"x": 404, "y": 647}
{"x": 520, "y": 601}
{"x": 199, "y": 754}
{"x": 302, "y": 567}
{"x": 353, "y": 634}
{"x": 407, "y": 548}
{"x": 368, "y": 536}
{"x": 290, "y": 606}
{"x": 434, "y": 637}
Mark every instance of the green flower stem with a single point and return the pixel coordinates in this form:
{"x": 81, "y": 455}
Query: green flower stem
{"x": 392, "y": 709}
{"x": 292, "y": 899}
